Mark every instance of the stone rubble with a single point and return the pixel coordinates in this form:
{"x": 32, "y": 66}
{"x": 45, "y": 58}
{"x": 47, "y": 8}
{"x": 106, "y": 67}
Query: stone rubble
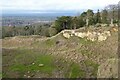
{"x": 89, "y": 35}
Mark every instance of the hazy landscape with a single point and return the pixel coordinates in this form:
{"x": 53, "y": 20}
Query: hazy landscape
{"x": 69, "y": 44}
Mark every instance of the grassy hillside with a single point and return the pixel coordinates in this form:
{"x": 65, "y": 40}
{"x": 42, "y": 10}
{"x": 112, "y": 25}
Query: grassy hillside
{"x": 56, "y": 57}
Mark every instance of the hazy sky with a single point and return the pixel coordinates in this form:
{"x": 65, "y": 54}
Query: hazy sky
{"x": 48, "y": 5}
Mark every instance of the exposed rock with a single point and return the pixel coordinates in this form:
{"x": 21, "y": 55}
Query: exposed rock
{"x": 104, "y": 25}
{"x": 28, "y": 76}
{"x": 33, "y": 63}
{"x": 115, "y": 30}
{"x": 80, "y": 34}
{"x": 89, "y": 35}
{"x": 101, "y": 38}
{"x": 107, "y": 33}
{"x": 25, "y": 75}
{"x": 28, "y": 72}
{"x": 66, "y": 35}
{"x": 41, "y": 65}
{"x": 73, "y": 31}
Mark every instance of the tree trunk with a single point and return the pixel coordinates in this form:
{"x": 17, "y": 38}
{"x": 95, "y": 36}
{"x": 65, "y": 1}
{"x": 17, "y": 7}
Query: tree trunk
{"x": 74, "y": 26}
{"x": 87, "y": 22}
{"x": 111, "y": 22}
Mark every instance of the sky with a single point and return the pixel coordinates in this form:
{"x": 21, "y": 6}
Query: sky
{"x": 54, "y": 5}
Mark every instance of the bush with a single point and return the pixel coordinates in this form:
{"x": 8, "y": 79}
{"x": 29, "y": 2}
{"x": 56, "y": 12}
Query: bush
{"x": 52, "y": 31}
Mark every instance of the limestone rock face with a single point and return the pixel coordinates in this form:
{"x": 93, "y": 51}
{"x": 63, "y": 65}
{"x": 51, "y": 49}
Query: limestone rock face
{"x": 76, "y": 34}
{"x": 108, "y": 69}
{"x": 73, "y": 32}
{"x": 89, "y": 35}
{"x": 66, "y": 35}
{"x": 102, "y": 38}
{"x": 107, "y": 33}
{"x": 80, "y": 34}
{"x": 115, "y": 30}
{"x": 104, "y": 25}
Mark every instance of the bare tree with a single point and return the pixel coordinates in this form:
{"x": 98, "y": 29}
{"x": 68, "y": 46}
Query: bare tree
{"x": 112, "y": 13}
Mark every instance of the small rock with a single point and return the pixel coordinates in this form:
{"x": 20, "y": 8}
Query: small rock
{"x": 101, "y": 38}
{"x": 114, "y": 29}
{"x": 41, "y": 65}
{"x": 33, "y": 63}
{"x": 28, "y": 72}
{"x": 107, "y": 33}
{"x": 28, "y": 76}
{"x": 25, "y": 75}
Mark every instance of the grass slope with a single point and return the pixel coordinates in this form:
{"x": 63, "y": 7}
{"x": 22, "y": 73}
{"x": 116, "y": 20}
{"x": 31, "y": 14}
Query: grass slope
{"x": 60, "y": 57}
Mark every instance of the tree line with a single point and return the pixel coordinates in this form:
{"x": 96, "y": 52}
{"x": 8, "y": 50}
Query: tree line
{"x": 109, "y": 15}
{"x": 25, "y": 31}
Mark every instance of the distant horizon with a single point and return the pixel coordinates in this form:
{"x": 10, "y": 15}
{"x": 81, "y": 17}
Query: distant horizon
{"x": 44, "y": 12}
{"x": 52, "y": 6}
{"x": 41, "y": 13}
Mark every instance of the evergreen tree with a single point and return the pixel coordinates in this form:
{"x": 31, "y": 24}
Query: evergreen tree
{"x": 104, "y": 16}
{"x": 98, "y": 19}
{"x": 90, "y": 19}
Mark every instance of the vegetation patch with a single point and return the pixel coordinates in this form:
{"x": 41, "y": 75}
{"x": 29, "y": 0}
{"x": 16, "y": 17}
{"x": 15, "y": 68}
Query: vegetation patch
{"x": 94, "y": 67}
{"x": 76, "y": 71}
{"x": 47, "y": 67}
{"x": 49, "y": 42}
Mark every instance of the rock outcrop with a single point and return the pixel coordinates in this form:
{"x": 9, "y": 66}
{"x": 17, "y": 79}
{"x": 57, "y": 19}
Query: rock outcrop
{"x": 93, "y": 36}
{"x": 66, "y": 35}
{"x": 89, "y": 35}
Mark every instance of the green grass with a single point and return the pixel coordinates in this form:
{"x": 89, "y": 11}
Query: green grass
{"x": 85, "y": 41}
{"x": 44, "y": 44}
{"x": 0, "y": 75}
{"x": 76, "y": 71}
{"x": 23, "y": 61}
{"x": 49, "y": 42}
{"x": 94, "y": 65}
{"x": 46, "y": 68}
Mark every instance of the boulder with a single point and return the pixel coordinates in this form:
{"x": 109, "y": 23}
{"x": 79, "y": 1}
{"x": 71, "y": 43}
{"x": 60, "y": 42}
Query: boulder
{"x": 91, "y": 36}
{"x": 41, "y": 65}
{"x": 73, "y": 32}
{"x": 115, "y": 30}
{"x": 66, "y": 35}
{"x": 101, "y": 38}
{"x": 107, "y": 33}
{"x": 82, "y": 35}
